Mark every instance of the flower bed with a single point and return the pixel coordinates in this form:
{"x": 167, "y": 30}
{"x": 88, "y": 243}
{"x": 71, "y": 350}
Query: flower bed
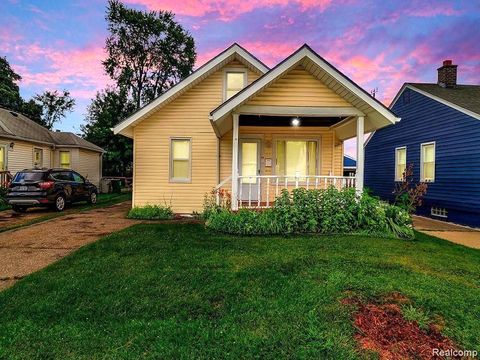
{"x": 328, "y": 211}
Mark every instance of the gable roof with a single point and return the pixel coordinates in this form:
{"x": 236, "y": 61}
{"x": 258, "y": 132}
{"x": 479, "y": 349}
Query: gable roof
{"x": 464, "y": 98}
{"x": 235, "y": 51}
{"x": 18, "y": 127}
{"x": 68, "y": 139}
{"x": 313, "y": 62}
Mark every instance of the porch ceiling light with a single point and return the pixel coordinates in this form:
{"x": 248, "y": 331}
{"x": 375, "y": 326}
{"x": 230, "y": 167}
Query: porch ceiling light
{"x": 295, "y": 121}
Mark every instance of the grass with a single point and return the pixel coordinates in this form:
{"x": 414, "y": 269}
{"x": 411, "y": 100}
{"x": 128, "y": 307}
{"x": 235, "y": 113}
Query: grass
{"x": 178, "y": 291}
{"x": 103, "y": 200}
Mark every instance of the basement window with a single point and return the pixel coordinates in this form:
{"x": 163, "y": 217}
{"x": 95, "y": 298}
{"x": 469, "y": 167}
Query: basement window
{"x": 440, "y": 212}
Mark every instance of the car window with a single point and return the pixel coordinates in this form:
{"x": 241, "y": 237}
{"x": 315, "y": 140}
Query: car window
{"x": 77, "y": 177}
{"x": 62, "y": 176}
{"x": 23, "y": 176}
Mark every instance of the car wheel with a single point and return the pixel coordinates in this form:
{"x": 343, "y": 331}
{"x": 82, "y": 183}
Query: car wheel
{"x": 60, "y": 203}
{"x": 19, "y": 209}
{"x": 92, "y": 199}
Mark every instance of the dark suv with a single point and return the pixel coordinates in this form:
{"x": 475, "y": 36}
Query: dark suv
{"x": 49, "y": 187}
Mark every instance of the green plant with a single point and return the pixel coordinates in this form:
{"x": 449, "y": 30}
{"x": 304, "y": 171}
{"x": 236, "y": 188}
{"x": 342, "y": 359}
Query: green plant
{"x": 408, "y": 194}
{"x": 151, "y": 212}
{"x": 329, "y": 211}
{"x": 210, "y": 205}
{"x": 417, "y": 315}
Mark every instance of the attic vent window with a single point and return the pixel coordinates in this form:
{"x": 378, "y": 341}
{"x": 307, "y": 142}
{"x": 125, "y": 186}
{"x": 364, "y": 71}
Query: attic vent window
{"x": 440, "y": 212}
{"x": 235, "y": 81}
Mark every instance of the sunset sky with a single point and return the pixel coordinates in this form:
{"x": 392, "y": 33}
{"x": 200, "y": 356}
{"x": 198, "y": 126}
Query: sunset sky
{"x": 379, "y": 44}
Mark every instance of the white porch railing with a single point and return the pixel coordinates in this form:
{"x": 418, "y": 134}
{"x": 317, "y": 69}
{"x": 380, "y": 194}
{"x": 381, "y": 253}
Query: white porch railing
{"x": 260, "y": 191}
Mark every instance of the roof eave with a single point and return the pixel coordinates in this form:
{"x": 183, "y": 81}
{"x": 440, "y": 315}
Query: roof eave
{"x": 140, "y": 114}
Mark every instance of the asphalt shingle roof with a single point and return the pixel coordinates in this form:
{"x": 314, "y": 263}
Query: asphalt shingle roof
{"x": 17, "y": 126}
{"x": 465, "y": 96}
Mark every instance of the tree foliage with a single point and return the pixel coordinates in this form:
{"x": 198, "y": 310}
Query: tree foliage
{"x": 55, "y": 106}
{"x": 9, "y": 92}
{"x": 148, "y": 52}
{"x": 45, "y": 109}
{"x": 103, "y": 114}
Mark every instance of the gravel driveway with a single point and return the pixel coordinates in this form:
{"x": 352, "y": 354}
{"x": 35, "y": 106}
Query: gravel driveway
{"x": 31, "y": 248}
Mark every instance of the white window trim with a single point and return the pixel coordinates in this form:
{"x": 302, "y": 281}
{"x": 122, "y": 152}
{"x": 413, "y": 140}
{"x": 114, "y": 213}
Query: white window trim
{"x": 170, "y": 155}
{"x": 399, "y": 177}
{"x": 422, "y": 178}
{"x": 233, "y": 70}
{"x": 274, "y": 152}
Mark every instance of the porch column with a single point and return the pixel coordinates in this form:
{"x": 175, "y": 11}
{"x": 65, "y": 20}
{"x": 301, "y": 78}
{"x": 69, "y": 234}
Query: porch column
{"x": 360, "y": 156}
{"x": 235, "y": 162}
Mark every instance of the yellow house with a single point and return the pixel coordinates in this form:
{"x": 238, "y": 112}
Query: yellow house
{"x": 235, "y": 124}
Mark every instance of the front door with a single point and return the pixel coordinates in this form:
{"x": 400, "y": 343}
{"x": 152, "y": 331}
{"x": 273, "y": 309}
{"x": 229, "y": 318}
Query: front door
{"x": 37, "y": 158}
{"x": 3, "y": 158}
{"x": 249, "y": 163}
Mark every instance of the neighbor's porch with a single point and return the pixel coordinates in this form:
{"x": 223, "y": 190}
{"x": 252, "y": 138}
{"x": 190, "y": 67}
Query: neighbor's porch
{"x": 263, "y": 154}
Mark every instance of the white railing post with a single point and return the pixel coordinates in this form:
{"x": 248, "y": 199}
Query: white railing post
{"x": 360, "y": 159}
{"x": 235, "y": 162}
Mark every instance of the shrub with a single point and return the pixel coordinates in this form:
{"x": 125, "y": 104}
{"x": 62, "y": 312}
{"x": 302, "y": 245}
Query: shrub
{"x": 151, "y": 212}
{"x": 329, "y": 211}
{"x": 210, "y": 206}
{"x": 408, "y": 194}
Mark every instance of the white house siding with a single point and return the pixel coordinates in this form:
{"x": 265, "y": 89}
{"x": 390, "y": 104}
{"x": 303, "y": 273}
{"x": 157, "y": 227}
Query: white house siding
{"x": 89, "y": 166}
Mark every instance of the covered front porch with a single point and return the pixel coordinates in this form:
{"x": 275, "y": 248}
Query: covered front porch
{"x": 268, "y": 150}
{"x": 286, "y": 130}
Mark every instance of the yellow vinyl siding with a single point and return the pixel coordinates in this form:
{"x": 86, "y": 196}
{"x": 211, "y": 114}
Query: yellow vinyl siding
{"x": 89, "y": 166}
{"x": 298, "y": 88}
{"x": 186, "y": 116}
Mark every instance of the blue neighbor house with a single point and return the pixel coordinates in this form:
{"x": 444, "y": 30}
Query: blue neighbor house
{"x": 439, "y": 133}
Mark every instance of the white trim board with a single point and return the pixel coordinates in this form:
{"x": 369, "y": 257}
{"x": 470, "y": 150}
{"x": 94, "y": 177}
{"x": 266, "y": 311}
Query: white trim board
{"x": 123, "y": 128}
{"x": 433, "y": 97}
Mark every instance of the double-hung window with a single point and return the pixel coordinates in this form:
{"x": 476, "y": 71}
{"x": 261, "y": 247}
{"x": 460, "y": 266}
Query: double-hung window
{"x": 65, "y": 159}
{"x": 296, "y": 158}
{"x": 234, "y": 82}
{"x": 427, "y": 162}
{"x": 400, "y": 162}
{"x": 180, "y": 160}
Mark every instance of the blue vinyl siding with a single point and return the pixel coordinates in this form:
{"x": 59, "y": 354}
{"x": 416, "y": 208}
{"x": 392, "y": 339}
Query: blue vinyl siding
{"x": 349, "y": 162}
{"x": 457, "y": 155}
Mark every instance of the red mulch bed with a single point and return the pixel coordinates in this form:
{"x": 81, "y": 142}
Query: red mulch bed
{"x": 383, "y": 329}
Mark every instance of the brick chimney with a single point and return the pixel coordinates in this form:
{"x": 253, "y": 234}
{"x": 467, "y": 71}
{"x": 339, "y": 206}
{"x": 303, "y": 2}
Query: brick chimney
{"x": 447, "y": 74}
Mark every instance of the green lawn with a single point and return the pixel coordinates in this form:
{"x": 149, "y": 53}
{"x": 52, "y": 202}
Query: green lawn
{"x": 178, "y": 291}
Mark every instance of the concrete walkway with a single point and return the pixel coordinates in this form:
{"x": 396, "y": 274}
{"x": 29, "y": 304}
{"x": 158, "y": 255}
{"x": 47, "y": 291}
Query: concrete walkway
{"x": 31, "y": 248}
{"x": 455, "y": 233}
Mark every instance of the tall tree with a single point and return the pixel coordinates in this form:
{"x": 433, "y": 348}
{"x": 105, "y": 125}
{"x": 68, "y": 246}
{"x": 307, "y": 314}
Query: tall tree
{"x": 103, "y": 114}
{"x": 55, "y": 106}
{"x": 9, "y": 92}
{"x": 148, "y": 52}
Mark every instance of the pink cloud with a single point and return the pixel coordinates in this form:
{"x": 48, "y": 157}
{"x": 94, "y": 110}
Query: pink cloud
{"x": 79, "y": 70}
{"x": 226, "y": 9}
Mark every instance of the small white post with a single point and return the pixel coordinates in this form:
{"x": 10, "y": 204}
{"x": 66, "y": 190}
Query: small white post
{"x": 360, "y": 156}
{"x": 235, "y": 162}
